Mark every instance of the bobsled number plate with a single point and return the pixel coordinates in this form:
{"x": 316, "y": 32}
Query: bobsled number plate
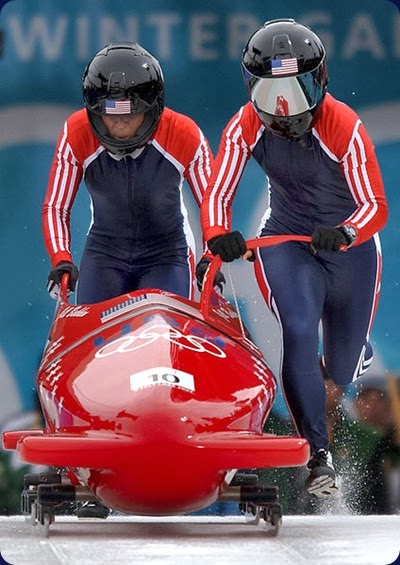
{"x": 162, "y": 376}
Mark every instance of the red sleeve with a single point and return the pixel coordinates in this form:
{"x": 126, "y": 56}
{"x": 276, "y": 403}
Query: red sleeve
{"x": 198, "y": 169}
{"x": 184, "y": 143}
{"x": 75, "y": 141}
{"x": 181, "y": 140}
{"x": 238, "y": 139}
{"x": 346, "y": 139}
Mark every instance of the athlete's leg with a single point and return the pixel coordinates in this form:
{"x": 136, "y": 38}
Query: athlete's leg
{"x": 294, "y": 286}
{"x": 101, "y": 275}
{"x": 172, "y": 277}
{"x": 352, "y": 296}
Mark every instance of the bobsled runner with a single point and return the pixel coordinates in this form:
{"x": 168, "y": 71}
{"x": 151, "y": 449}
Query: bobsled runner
{"x": 151, "y": 403}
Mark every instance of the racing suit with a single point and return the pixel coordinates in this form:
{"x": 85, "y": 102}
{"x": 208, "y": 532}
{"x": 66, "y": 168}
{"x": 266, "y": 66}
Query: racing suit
{"x": 328, "y": 177}
{"x": 139, "y": 236}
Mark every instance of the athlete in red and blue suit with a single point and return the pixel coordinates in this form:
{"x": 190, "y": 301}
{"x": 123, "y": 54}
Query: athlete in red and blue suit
{"x": 325, "y": 182}
{"x": 134, "y": 156}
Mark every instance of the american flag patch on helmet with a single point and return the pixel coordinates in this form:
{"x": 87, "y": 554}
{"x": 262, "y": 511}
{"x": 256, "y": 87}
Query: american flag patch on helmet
{"x": 118, "y": 107}
{"x": 284, "y": 66}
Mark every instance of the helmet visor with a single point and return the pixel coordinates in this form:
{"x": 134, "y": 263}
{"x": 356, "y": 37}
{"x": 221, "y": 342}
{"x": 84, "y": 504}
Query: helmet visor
{"x": 136, "y": 99}
{"x": 286, "y": 96}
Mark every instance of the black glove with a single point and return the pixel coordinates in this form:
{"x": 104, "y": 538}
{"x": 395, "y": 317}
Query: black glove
{"x": 229, "y": 246}
{"x": 328, "y": 239}
{"x": 201, "y": 268}
{"x": 55, "y": 276}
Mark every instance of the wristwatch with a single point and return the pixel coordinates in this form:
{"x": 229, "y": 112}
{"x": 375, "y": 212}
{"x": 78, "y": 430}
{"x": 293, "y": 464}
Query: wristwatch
{"x": 349, "y": 232}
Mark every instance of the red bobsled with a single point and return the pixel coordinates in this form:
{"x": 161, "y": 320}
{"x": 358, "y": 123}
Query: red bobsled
{"x": 152, "y": 402}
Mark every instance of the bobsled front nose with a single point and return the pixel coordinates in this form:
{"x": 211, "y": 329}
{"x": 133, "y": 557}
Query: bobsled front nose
{"x": 155, "y": 426}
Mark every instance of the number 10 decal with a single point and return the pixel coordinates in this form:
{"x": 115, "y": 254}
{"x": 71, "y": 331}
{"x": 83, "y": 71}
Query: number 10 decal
{"x": 162, "y": 376}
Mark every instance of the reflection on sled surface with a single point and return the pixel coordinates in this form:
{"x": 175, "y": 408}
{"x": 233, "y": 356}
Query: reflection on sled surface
{"x": 151, "y": 403}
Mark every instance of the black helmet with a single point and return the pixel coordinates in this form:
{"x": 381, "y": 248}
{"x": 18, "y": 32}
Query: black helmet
{"x": 123, "y": 78}
{"x": 286, "y": 77}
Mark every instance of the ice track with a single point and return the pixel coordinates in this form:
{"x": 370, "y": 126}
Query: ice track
{"x": 203, "y": 540}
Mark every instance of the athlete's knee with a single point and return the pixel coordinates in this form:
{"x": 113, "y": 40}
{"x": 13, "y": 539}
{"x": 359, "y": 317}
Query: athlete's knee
{"x": 297, "y": 328}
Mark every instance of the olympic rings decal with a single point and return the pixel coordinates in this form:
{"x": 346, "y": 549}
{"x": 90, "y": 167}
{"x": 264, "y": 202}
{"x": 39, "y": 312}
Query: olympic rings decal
{"x": 128, "y": 343}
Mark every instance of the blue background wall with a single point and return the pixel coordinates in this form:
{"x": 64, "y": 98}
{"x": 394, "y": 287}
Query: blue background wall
{"x": 44, "y": 49}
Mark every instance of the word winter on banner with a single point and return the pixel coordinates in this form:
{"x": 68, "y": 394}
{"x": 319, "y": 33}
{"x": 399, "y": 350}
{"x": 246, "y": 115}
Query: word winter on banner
{"x": 211, "y": 37}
